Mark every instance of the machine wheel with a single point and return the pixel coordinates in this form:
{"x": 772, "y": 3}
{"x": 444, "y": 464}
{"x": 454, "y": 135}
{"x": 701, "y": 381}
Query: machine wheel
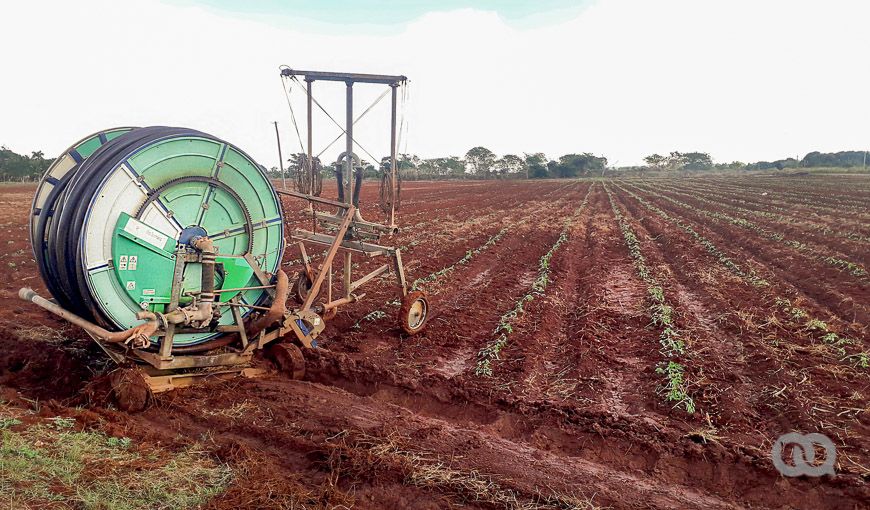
{"x": 289, "y": 359}
{"x": 131, "y": 390}
{"x": 302, "y": 286}
{"x": 414, "y": 312}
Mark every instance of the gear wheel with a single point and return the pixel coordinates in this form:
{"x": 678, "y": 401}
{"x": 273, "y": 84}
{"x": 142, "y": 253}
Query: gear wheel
{"x": 156, "y": 192}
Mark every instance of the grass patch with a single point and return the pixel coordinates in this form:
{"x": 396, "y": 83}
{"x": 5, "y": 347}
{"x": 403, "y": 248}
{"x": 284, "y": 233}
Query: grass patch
{"x": 50, "y": 462}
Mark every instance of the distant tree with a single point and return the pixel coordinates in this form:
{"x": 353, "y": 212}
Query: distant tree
{"x": 574, "y": 165}
{"x": 536, "y": 165}
{"x": 552, "y": 168}
{"x": 442, "y": 167}
{"x": 479, "y": 161}
{"x": 510, "y": 164}
{"x": 841, "y": 159}
{"x": 656, "y": 161}
{"x": 17, "y": 167}
{"x": 680, "y": 161}
{"x": 696, "y": 161}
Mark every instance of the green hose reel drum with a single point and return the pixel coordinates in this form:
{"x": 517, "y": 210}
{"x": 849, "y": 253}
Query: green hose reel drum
{"x": 59, "y": 169}
{"x": 152, "y": 191}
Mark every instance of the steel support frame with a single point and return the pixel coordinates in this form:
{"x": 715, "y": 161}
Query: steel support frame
{"x": 352, "y": 228}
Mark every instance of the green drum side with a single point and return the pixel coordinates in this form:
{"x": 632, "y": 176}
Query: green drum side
{"x": 123, "y": 290}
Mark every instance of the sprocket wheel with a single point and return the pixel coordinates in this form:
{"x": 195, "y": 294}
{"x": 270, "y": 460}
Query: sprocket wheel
{"x": 414, "y": 312}
{"x": 289, "y": 359}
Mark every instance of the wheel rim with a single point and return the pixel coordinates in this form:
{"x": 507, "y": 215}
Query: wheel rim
{"x": 417, "y": 313}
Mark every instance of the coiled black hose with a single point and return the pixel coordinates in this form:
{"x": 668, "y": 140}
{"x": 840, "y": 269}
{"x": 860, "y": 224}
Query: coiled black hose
{"x": 59, "y": 259}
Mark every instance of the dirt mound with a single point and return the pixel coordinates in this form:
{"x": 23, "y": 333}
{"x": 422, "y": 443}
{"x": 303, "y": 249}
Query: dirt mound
{"x": 42, "y": 366}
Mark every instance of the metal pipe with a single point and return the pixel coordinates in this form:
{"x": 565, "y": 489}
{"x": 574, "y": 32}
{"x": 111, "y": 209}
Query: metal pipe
{"x": 310, "y": 142}
{"x": 339, "y": 302}
{"x": 310, "y": 198}
{"x": 204, "y": 311}
{"x": 278, "y": 308}
{"x": 142, "y": 330}
{"x": 393, "y": 156}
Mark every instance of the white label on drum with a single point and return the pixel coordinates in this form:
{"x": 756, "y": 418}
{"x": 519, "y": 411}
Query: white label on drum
{"x": 147, "y": 292}
{"x": 134, "y": 261}
{"x": 122, "y": 263}
{"x": 146, "y": 233}
{"x": 131, "y": 285}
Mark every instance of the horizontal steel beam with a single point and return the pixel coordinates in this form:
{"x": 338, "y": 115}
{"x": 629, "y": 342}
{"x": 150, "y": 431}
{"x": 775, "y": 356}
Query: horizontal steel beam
{"x": 386, "y": 79}
{"x": 367, "y": 249}
{"x": 312, "y": 198}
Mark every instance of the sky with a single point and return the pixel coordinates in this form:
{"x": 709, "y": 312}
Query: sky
{"x": 744, "y": 80}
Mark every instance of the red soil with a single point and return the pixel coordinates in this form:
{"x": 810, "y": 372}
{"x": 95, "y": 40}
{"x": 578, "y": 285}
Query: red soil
{"x": 573, "y": 412}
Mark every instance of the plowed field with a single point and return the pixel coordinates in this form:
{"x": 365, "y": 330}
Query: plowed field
{"x": 606, "y": 343}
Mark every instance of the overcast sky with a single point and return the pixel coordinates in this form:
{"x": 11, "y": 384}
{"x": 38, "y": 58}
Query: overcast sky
{"x": 743, "y": 80}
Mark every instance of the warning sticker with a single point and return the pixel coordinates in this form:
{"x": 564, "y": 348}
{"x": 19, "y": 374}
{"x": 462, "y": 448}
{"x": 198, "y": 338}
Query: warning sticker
{"x": 146, "y": 233}
{"x": 122, "y": 263}
{"x": 147, "y": 292}
{"x": 134, "y": 261}
{"x": 131, "y": 285}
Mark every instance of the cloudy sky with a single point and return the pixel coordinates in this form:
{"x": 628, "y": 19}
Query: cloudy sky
{"x": 742, "y": 79}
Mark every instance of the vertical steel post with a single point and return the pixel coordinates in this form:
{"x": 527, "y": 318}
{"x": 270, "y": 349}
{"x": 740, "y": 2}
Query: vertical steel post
{"x": 348, "y": 193}
{"x": 310, "y": 207}
{"x": 280, "y": 157}
{"x": 393, "y": 169}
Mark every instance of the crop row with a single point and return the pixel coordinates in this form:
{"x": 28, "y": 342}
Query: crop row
{"x": 794, "y": 197}
{"x": 662, "y": 316}
{"x": 848, "y": 266}
{"x": 785, "y": 219}
{"x": 749, "y": 276}
{"x": 822, "y": 211}
{"x": 821, "y": 331}
{"x": 505, "y": 326}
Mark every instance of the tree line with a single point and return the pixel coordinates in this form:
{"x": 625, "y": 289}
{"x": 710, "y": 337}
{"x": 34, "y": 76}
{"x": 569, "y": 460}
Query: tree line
{"x": 482, "y": 163}
{"x": 699, "y": 161}
{"x": 479, "y": 163}
{"x": 18, "y": 167}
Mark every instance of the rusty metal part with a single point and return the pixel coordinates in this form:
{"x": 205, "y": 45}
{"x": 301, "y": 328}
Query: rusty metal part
{"x": 289, "y": 359}
{"x": 278, "y": 308}
{"x": 133, "y": 334}
{"x": 202, "y": 313}
{"x": 414, "y": 312}
{"x": 162, "y": 383}
{"x": 328, "y": 314}
{"x": 315, "y": 289}
{"x": 331, "y": 305}
{"x": 310, "y": 328}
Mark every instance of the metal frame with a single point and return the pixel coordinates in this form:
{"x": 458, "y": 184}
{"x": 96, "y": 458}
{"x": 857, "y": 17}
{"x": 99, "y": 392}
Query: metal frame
{"x": 354, "y": 232}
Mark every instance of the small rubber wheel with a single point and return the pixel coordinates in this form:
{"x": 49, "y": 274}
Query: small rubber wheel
{"x": 289, "y": 359}
{"x": 414, "y": 312}
{"x": 302, "y": 286}
{"x": 131, "y": 390}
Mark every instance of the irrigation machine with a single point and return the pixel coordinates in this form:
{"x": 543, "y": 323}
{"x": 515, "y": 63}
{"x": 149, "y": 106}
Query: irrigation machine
{"x": 166, "y": 246}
